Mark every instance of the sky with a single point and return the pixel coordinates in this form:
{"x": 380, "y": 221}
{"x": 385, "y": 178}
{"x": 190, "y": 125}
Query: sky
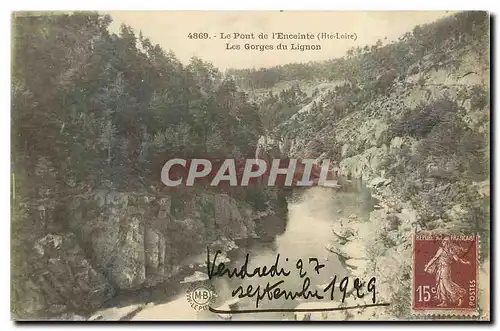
{"x": 170, "y": 29}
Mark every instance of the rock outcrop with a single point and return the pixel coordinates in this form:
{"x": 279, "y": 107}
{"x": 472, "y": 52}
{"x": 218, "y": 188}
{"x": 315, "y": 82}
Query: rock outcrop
{"x": 62, "y": 279}
{"x": 418, "y": 138}
{"x": 126, "y": 241}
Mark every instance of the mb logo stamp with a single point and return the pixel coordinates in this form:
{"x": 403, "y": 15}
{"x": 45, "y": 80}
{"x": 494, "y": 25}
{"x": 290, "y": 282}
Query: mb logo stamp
{"x": 201, "y": 296}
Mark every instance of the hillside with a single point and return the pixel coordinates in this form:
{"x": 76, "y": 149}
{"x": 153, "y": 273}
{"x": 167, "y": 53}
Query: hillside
{"x": 96, "y": 114}
{"x": 412, "y": 120}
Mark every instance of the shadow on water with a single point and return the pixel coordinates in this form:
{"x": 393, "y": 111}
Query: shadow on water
{"x": 301, "y": 230}
{"x": 267, "y": 230}
{"x": 363, "y": 195}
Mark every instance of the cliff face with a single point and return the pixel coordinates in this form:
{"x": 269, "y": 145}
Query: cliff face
{"x": 59, "y": 278}
{"x": 411, "y": 119}
{"x": 420, "y": 140}
{"x": 113, "y": 108}
{"x": 126, "y": 240}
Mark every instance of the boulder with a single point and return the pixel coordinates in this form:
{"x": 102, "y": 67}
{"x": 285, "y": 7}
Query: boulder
{"x": 63, "y": 279}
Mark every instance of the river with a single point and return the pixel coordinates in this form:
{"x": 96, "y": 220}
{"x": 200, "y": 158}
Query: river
{"x": 302, "y": 235}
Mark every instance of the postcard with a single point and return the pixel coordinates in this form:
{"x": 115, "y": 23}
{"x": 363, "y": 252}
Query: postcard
{"x": 250, "y": 165}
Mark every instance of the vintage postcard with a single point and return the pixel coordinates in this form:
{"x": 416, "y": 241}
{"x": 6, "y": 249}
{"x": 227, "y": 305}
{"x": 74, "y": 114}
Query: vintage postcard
{"x": 257, "y": 165}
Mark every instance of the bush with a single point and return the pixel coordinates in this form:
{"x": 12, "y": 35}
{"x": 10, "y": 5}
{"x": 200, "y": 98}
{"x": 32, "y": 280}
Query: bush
{"x": 419, "y": 122}
{"x": 460, "y": 150}
{"x": 257, "y": 197}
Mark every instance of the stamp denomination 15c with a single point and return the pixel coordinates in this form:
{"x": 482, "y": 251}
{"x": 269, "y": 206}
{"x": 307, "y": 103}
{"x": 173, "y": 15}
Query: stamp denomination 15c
{"x": 445, "y": 274}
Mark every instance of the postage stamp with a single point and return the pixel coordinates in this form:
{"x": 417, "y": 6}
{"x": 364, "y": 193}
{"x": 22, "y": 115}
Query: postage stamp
{"x": 202, "y": 165}
{"x": 445, "y": 274}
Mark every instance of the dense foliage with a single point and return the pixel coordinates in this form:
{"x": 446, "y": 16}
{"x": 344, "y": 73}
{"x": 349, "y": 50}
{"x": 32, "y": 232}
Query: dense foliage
{"x": 412, "y": 118}
{"x": 364, "y": 64}
{"x": 92, "y": 108}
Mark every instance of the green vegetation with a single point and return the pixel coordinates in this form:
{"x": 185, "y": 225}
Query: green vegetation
{"x": 412, "y": 115}
{"x": 93, "y": 110}
{"x": 363, "y": 65}
{"x": 275, "y": 109}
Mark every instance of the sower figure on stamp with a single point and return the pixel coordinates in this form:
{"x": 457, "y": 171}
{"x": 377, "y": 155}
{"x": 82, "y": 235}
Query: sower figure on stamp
{"x": 447, "y": 291}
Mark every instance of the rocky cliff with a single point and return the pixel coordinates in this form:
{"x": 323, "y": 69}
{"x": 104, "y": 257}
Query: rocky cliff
{"x": 419, "y": 137}
{"x": 92, "y": 126}
{"x": 124, "y": 241}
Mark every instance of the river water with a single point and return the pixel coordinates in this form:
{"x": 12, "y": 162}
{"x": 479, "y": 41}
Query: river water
{"x": 302, "y": 235}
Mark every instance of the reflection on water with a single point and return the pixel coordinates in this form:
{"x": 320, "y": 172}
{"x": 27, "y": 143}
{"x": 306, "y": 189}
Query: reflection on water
{"x": 307, "y": 230}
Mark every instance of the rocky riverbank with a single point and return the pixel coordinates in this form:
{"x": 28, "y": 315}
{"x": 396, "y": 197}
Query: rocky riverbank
{"x": 418, "y": 136}
{"x": 119, "y": 241}
{"x": 382, "y": 246}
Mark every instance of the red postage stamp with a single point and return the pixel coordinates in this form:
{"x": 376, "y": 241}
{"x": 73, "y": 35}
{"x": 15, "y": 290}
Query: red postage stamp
{"x": 445, "y": 274}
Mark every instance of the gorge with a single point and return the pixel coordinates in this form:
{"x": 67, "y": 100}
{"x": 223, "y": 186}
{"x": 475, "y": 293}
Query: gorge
{"x": 96, "y": 235}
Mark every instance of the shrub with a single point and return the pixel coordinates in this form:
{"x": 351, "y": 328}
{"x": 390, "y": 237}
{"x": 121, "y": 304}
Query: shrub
{"x": 256, "y": 196}
{"x": 420, "y": 121}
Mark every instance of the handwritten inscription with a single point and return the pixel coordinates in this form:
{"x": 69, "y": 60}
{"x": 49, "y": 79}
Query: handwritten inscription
{"x": 273, "y": 290}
